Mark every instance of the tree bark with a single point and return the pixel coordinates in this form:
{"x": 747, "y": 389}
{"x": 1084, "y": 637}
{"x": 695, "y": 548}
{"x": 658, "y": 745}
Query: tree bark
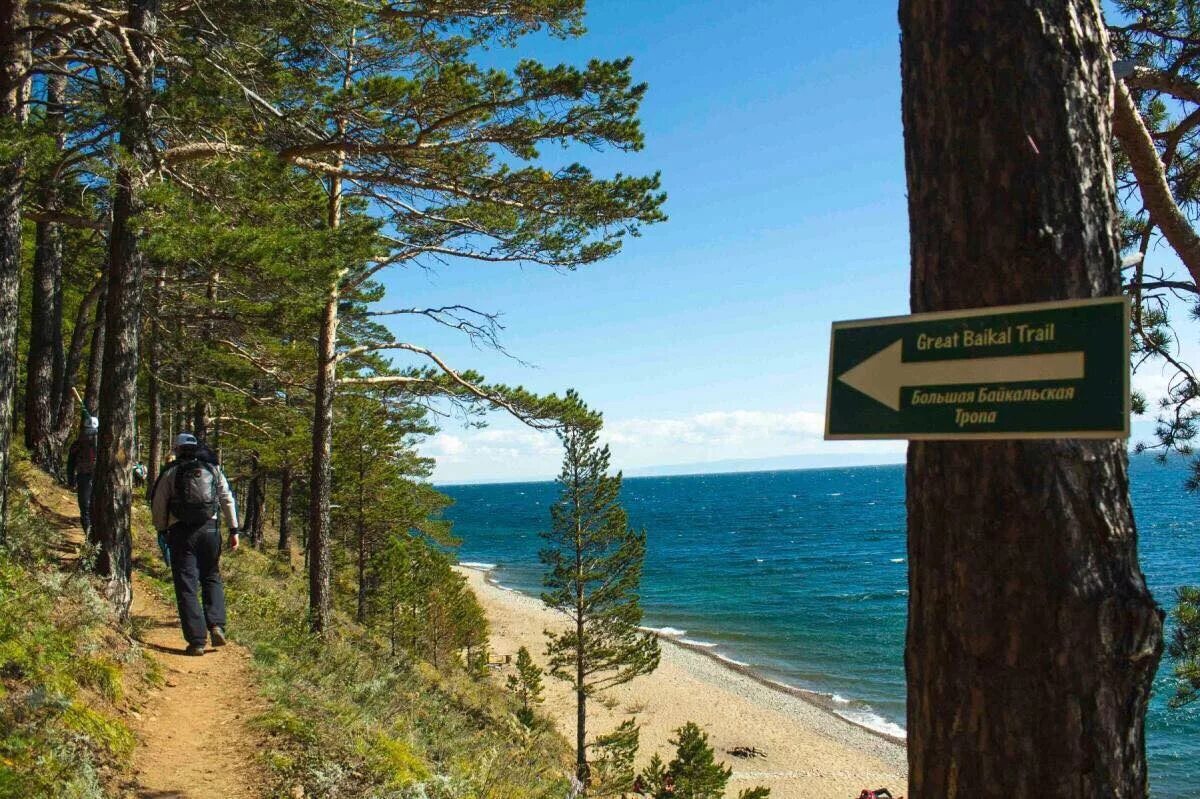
{"x": 322, "y": 440}
{"x": 285, "y": 509}
{"x": 113, "y": 495}
{"x": 1032, "y": 639}
{"x": 153, "y": 388}
{"x": 200, "y": 421}
{"x": 79, "y": 335}
{"x": 154, "y": 400}
{"x": 256, "y": 498}
{"x": 14, "y": 58}
{"x": 44, "y": 365}
{"x": 91, "y": 388}
{"x": 319, "y": 481}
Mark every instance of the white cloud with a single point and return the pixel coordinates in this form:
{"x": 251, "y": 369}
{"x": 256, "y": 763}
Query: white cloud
{"x": 510, "y": 452}
{"x": 719, "y": 428}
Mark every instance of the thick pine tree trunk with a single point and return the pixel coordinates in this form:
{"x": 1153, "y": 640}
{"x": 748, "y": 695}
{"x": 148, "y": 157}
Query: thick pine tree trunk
{"x": 14, "y": 57}
{"x": 44, "y": 365}
{"x": 1032, "y": 639}
{"x": 113, "y": 489}
{"x": 45, "y": 344}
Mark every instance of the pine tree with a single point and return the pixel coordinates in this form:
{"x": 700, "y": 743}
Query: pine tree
{"x": 594, "y": 571}
{"x": 694, "y": 772}
{"x": 526, "y": 685}
{"x": 1184, "y": 648}
{"x": 613, "y": 772}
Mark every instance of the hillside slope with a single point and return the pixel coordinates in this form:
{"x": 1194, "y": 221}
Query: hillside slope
{"x": 274, "y": 714}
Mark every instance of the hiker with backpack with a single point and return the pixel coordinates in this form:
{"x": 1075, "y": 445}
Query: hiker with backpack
{"x": 188, "y": 497}
{"x": 81, "y": 466}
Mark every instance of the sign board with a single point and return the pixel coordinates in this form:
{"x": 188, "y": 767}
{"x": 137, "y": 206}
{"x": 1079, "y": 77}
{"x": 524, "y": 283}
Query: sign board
{"x": 1049, "y": 370}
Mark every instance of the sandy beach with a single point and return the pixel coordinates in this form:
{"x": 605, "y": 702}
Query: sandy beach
{"x": 810, "y": 753}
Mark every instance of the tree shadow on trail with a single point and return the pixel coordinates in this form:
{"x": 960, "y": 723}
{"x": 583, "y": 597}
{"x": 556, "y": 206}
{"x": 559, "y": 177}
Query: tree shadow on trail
{"x": 54, "y": 516}
{"x": 166, "y": 650}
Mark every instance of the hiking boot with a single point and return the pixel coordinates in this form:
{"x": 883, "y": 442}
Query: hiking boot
{"x": 195, "y": 650}
{"x": 217, "y": 634}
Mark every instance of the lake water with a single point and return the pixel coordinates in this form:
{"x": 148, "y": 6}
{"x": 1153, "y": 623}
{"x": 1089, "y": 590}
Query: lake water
{"x": 802, "y": 576}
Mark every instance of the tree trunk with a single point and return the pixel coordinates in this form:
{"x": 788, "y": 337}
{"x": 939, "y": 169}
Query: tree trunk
{"x": 322, "y": 446}
{"x": 200, "y": 421}
{"x": 91, "y": 388}
{"x": 79, "y": 335}
{"x": 44, "y": 365}
{"x": 153, "y": 388}
{"x": 322, "y": 440}
{"x": 1032, "y": 639}
{"x": 285, "y": 509}
{"x": 256, "y": 499}
{"x": 14, "y": 58}
{"x": 582, "y": 771}
{"x": 361, "y": 612}
{"x": 113, "y": 495}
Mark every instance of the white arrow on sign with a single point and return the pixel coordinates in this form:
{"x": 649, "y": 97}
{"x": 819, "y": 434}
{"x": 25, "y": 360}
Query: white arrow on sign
{"x": 882, "y": 375}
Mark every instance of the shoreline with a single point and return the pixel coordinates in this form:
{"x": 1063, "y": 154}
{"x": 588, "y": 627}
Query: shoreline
{"x": 821, "y": 701}
{"x": 810, "y": 751}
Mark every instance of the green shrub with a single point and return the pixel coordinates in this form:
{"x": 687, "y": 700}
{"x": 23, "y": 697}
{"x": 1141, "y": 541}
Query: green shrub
{"x": 349, "y": 719}
{"x": 58, "y": 730}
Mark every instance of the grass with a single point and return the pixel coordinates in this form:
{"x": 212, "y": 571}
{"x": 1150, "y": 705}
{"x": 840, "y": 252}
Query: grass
{"x": 344, "y": 718}
{"x": 65, "y": 668}
{"x": 348, "y": 720}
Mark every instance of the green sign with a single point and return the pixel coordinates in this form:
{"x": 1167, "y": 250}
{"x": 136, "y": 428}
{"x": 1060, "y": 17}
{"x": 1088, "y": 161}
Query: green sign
{"x": 1050, "y": 370}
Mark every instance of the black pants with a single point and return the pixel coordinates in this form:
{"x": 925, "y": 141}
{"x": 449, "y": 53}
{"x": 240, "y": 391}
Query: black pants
{"x": 83, "y": 492}
{"x": 196, "y": 567}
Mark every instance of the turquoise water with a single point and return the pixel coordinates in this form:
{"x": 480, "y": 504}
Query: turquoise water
{"x": 802, "y": 576}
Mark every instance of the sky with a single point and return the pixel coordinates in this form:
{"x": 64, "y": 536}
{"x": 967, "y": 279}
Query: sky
{"x": 776, "y": 127}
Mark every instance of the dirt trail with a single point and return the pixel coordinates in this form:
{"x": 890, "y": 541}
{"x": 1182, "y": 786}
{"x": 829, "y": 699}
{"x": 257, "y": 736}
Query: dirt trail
{"x": 194, "y": 739}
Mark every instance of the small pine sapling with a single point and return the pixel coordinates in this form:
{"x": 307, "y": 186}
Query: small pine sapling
{"x": 526, "y": 685}
{"x": 693, "y": 773}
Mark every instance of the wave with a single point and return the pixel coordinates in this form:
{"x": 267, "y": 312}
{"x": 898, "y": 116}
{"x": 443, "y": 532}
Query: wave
{"x": 474, "y": 564}
{"x": 865, "y": 717}
{"x": 897, "y": 560}
{"x": 670, "y": 632}
{"x": 701, "y": 644}
{"x": 728, "y": 659}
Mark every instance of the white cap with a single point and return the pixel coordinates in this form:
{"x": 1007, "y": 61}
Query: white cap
{"x": 185, "y": 440}
{"x": 91, "y": 424}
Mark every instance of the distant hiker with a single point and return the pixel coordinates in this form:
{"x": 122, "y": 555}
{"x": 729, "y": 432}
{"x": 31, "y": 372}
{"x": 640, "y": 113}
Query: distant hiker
{"x": 188, "y": 496}
{"x": 81, "y": 466}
